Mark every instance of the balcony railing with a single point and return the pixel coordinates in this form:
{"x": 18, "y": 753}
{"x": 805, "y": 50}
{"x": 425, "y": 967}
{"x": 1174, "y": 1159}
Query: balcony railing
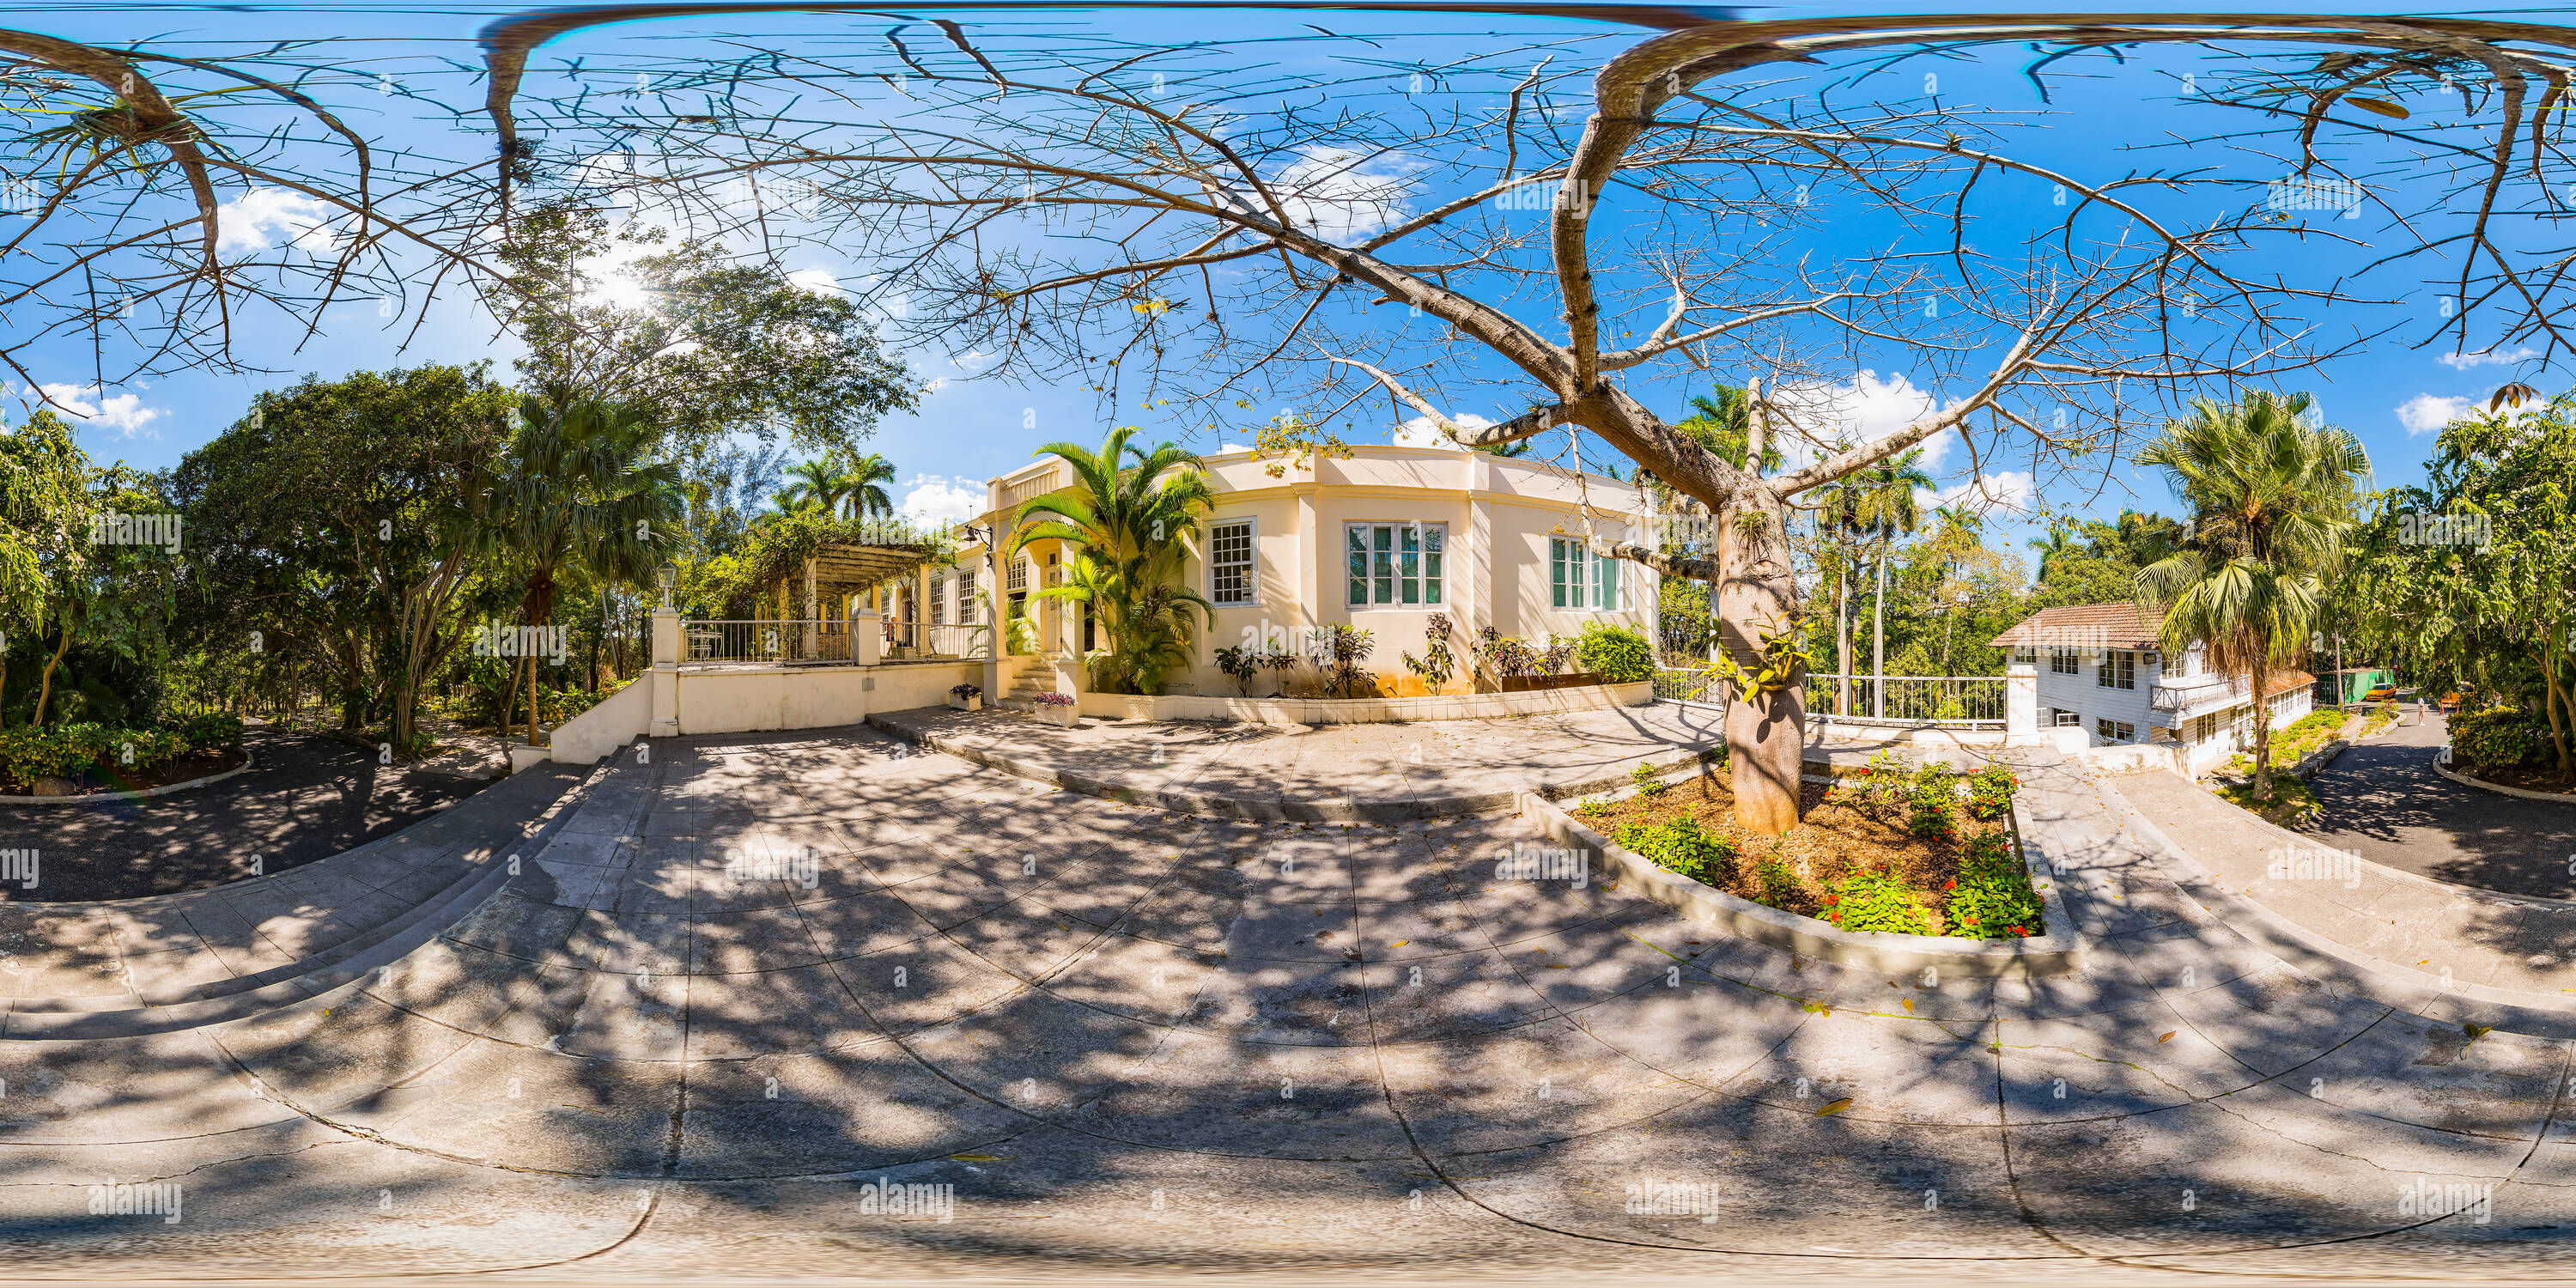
{"x": 1039, "y": 484}
{"x": 1903, "y": 701}
{"x": 2199, "y": 690}
{"x": 750, "y": 642}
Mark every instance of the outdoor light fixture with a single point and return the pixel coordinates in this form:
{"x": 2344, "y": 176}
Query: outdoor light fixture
{"x": 668, "y": 576}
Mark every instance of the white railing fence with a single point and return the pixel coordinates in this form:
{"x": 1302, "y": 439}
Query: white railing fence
{"x": 938, "y": 639}
{"x": 1910, "y": 701}
{"x": 752, "y": 641}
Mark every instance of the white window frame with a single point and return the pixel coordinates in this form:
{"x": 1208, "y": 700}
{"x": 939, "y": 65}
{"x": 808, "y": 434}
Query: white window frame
{"x": 966, "y": 606}
{"x": 2065, "y": 661}
{"x": 1597, "y": 577}
{"x": 1423, "y": 577}
{"x": 1251, "y": 525}
{"x": 2119, "y": 670}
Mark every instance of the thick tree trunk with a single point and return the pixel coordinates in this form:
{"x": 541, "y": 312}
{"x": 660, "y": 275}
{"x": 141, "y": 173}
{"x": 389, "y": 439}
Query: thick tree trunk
{"x": 45, "y": 689}
{"x": 1757, "y": 594}
{"x": 2558, "y": 710}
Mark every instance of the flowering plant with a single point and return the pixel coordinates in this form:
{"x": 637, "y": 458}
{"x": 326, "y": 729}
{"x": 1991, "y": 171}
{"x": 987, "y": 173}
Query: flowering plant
{"x": 1055, "y": 699}
{"x": 966, "y": 691}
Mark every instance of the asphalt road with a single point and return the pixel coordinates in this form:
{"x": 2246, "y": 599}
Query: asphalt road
{"x": 2383, "y": 801}
{"x": 308, "y": 797}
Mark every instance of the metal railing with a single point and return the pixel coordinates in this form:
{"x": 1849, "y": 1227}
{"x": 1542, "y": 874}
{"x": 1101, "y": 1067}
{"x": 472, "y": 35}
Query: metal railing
{"x": 1911, "y": 700}
{"x": 1674, "y": 684}
{"x": 2192, "y": 692}
{"x": 751, "y": 642}
{"x": 938, "y": 639}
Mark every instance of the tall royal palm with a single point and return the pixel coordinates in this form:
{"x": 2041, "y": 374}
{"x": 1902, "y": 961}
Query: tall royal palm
{"x": 1886, "y": 505}
{"x": 2270, "y": 497}
{"x": 818, "y": 485}
{"x": 583, "y": 488}
{"x": 1133, "y": 512}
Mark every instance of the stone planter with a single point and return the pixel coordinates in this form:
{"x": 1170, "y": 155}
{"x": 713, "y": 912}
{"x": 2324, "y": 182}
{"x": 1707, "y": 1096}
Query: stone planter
{"x": 966, "y": 704}
{"x": 1061, "y": 716}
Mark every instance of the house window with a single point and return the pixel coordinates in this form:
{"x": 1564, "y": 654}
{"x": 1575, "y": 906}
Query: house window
{"x": 2062, "y": 661}
{"x": 1394, "y": 565}
{"x": 966, "y": 614}
{"x": 2205, "y": 727}
{"x": 2113, "y": 731}
{"x": 1016, "y": 580}
{"x": 2025, "y": 653}
{"x": 939, "y": 601}
{"x": 1579, "y": 579}
{"x": 1230, "y": 563}
{"x": 2119, "y": 670}
{"x": 2070, "y": 719}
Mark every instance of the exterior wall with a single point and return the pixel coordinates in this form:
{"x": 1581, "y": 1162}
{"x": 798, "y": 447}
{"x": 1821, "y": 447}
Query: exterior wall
{"x": 743, "y": 699}
{"x": 2082, "y": 692}
{"x": 1499, "y": 514}
{"x": 610, "y": 723}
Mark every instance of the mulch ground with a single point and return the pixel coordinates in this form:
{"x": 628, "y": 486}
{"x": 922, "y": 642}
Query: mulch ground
{"x": 1832, "y": 842}
{"x": 2530, "y": 778}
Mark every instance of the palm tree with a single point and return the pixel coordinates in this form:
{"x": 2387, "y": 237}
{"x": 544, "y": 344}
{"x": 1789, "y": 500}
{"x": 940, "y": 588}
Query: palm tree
{"x": 1886, "y": 505}
{"x": 1838, "y": 521}
{"x": 1956, "y": 534}
{"x": 582, "y": 488}
{"x": 2050, "y": 548}
{"x": 867, "y": 496}
{"x": 2271, "y": 497}
{"x": 819, "y": 485}
{"x": 1132, "y": 512}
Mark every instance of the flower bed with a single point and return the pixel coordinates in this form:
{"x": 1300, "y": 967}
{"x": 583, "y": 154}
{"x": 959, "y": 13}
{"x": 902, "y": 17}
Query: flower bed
{"x": 1899, "y": 852}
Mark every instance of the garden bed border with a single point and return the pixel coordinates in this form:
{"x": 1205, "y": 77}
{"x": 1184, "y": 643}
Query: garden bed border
{"x": 83, "y": 798}
{"x": 2472, "y": 780}
{"x": 2054, "y": 954}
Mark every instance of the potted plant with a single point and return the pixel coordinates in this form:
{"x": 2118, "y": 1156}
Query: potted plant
{"x": 1056, "y": 709}
{"x": 966, "y": 697}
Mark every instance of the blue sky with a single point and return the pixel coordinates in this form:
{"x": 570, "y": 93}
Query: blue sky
{"x": 968, "y": 428}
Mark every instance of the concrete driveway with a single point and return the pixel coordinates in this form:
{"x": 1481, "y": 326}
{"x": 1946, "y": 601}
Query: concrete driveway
{"x": 2383, "y": 801}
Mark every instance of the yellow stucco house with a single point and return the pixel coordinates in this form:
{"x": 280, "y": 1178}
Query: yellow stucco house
{"x": 1380, "y": 539}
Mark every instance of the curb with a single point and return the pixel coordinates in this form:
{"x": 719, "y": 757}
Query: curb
{"x": 248, "y": 763}
{"x": 1346, "y": 810}
{"x": 2466, "y": 780}
{"x": 2350, "y": 970}
{"x": 1886, "y": 954}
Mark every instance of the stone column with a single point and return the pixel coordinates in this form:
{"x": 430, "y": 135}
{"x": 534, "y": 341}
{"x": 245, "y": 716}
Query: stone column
{"x": 2021, "y": 701}
{"x": 665, "y": 675}
{"x": 867, "y": 639}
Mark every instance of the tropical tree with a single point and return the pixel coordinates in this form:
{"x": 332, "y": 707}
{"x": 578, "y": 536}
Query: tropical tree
{"x": 1885, "y": 505}
{"x": 44, "y": 500}
{"x": 581, "y": 486}
{"x": 2271, "y": 497}
{"x": 868, "y": 476}
{"x": 2051, "y": 547}
{"x": 1132, "y": 511}
{"x": 819, "y": 484}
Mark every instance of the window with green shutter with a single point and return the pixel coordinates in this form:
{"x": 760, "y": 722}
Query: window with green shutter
{"x": 1395, "y": 565}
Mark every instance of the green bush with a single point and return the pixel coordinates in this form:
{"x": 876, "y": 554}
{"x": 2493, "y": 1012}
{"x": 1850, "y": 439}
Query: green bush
{"x": 1647, "y": 778}
{"x": 210, "y": 731}
{"x": 1875, "y": 901}
{"x": 1990, "y": 793}
{"x": 2496, "y": 738}
{"x": 1617, "y": 654}
{"x": 1992, "y": 897}
{"x": 1682, "y": 846}
{"x": 1934, "y": 797}
{"x": 28, "y": 753}
{"x": 1779, "y": 882}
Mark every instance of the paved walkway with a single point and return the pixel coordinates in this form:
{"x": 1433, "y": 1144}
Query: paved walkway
{"x": 2384, "y": 802}
{"x": 1321, "y": 773}
{"x": 306, "y": 798}
{"x": 753, "y": 981}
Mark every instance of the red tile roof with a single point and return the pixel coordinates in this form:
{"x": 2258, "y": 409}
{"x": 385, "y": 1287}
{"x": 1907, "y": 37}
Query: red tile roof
{"x": 2082, "y": 626}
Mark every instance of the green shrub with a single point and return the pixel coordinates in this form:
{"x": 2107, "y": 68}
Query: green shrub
{"x": 1990, "y": 793}
{"x": 212, "y": 730}
{"x": 1779, "y": 881}
{"x": 1594, "y": 807}
{"x": 1647, "y": 779}
{"x": 1934, "y": 797}
{"x": 1682, "y": 846}
{"x": 28, "y": 753}
{"x": 1875, "y": 901}
{"x": 1617, "y": 654}
{"x": 2496, "y": 738}
{"x": 1992, "y": 897}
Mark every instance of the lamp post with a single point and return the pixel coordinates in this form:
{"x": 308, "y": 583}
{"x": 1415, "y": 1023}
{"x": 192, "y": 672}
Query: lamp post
{"x": 667, "y": 577}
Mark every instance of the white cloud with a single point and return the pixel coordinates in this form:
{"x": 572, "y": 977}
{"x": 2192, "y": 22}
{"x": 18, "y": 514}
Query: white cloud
{"x": 266, "y": 217}
{"x": 2464, "y": 361}
{"x": 817, "y": 281}
{"x": 1341, "y": 196}
{"x": 1858, "y": 410}
{"x": 1233, "y": 447}
{"x": 936, "y": 498}
{"x": 2009, "y": 491}
{"x": 124, "y": 413}
{"x": 1421, "y": 432}
{"x": 2424, "y": 413}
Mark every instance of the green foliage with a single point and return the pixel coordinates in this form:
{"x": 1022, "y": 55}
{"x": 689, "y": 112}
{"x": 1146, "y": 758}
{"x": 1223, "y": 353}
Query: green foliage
{"x": 1876, "y": 901}
{"x": 1777, "y": 881}
{"x": 1349, "y": 647}
{"x": 1992, "y": 896}
{"x": 1131, "y": 513}
{"x": 1596, "y": 807}
{"x": 1647, "y": 778}
{"x": 1682, "y": 846}
{"x": 1436, "y": 663}
{"x": 1617, "y": 654}
{"x": 28, "y": 753}
{"x": 212, "y": 730}
{"x": 2497, "y": 738}
{"x": 1933, "y": 801}
{"x": 1990, "y": 793}
{"x": 1239, "y": 663}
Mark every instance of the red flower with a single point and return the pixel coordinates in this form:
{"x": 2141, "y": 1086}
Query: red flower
{"x": 1833, "y": 898}
{"x": 1951, "y": 885}
{"x": 2021, "y": 930}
